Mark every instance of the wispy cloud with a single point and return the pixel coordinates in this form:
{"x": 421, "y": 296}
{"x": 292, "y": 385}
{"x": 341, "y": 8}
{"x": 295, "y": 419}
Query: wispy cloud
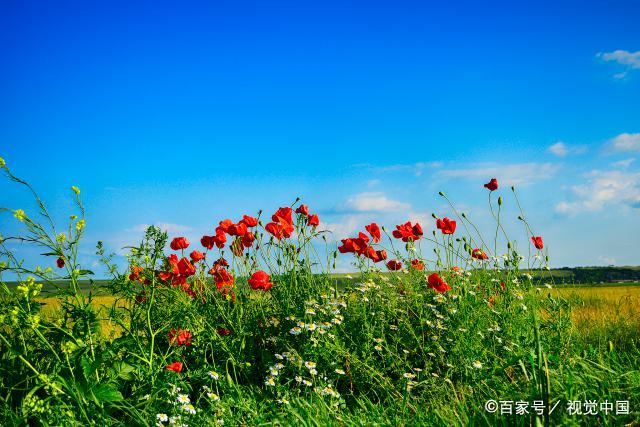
{"x": 631, "y": 60}
{"x": 372, "y": 202}
{"x": 416, "y": 169}
{"x": 624, "y": 164}
{"x": 561, "y": 149}
{"x": 604, "y": 189}
{"x": 625, "y": 142}
{"x": 165, "y": 226}
{"x": 507, "y": 174}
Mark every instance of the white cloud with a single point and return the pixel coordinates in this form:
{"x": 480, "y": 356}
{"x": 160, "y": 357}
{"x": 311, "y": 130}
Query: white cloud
{"x": 508, "y": 174}
{"x": 604, "y": 189}
{"x": 622, "y": 57}
{"x": 416, "y": 169}
{"x": 373, "y": 202}
{"x": 624, "y": 164}
{"x": 559, "y": 149}
{"x": 347, "y": 226}
{"x": 606, "y": 260}
{"x": 625, "y": 142}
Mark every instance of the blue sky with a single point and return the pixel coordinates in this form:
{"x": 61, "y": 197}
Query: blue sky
{"x": 185, "y": 115}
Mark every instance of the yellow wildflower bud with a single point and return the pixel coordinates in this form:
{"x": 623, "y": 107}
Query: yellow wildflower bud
{"x": 20, "y": 215}
{"x": 48, "y": 270}
{"x": 80, "y": 225}
{"x": 61, "y": 237}
{"x": 75, "y": 190}
{"x": 73, "y": 217}
{"x": 3, "y": 164}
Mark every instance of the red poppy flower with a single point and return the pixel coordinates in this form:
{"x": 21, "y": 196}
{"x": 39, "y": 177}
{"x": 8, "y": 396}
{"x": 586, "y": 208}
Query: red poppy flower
{"x": 492, "y": 185}
{"x": 478, "y": 253}
{"x": 60, "y": 262}
{"x": 223, "y": 332}
{"x": 247, "y": 239}
{"x": 186, "y": 268}
{"x": 313, "y": 221}
{"x": 437, "y": 283}
{"x": 446, "y": 225}
{"x": 222, "y": 277}
{"x": 179, "y": 243}
{"x": 283, "y": 215}
{"x": 374, "y": 231}
{"x": 239, "y": 229}
{"x": 503, "y": 286}
{"x": 394, "y": 265}
{"x": 224, "y": 225}
{"x": 207, "y": 241}
{"x": 408, "y": 232}
{"x": 303, "y": 209}
{"x": 249, "y": 221}
{"x": 349, "y": 246}
{"x": 417, "y": 264}
{"x": 180, "y": 337}
{"x": 196, "y": 256}
{"x": 375, "y": 256}
{"x": 179, "y": 281}
{"x": 280, "y": 230}
{"x": 260, "y": 281}
{"x": 175, "y": 367}
{"x": 537, "y": 242}
{"x": 220, "y": 262}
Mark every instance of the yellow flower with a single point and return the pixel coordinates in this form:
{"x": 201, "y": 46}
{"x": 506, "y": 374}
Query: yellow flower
{"x": 19, "y": 213}
{"x": 61, "y": 237}
{"x": 80, "y": 225}
{"x": 3, "y": 164}
{"x": 75, "y": 190}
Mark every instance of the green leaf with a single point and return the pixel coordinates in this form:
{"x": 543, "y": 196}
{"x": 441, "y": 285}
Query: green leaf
{"x": 106, "y": 393}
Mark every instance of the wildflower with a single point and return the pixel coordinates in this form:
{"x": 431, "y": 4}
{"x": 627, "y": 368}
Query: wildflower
{"x": 303, "y": 210}
{"x": 296, "y": 330}
{"x": 446, "y": 225}
{"x": 437, "y": 283}
{"x": 180, "y": 337}
{"x": 196, "y": 256}
{"x": 3, "y": 164}
{"x": 183, "y": 398}
{"x": 340, "y": 372}
{"x": 310, "y": 311}
{"x": 409, "y": 375}
{"x": 307, "y": 383}
{"x": 60, "y": 262}
{"x": 260, "y": 281}
{"x": 537, "y": 242}
{"x": 189, "y": 408}
{"x": 20, "y": 215}
{"x": 249, "y": 221}
{"x": 283, "y": 401}
{"x": 313, "y": 221}
{"x": 213, "y": 396}
{"x": 394, "y": 265}
{"x": 214, "y": 375}
{"x": 162, "y": 418}
{"x": 179, "y": 243}
{"x": 378, "y": 348}
{"x": 478, "y": 253}
{"x": 282, "y": 225}
{"x": 175, "y": 367}
{"x": 477, "y": 364}
{"x": 374, "y": 231}
{"x": 408, "y": 232}
{"x": 270, "y": 382}
{"x": 310, "y": 365}
{"x": 417, "y": 264}
{"x": 223, "y": 332}
{"x": 80, "y": 225}
{"x": 492, "y": 185}
{"x": 75, "y": 190}
{"x": 298, "y": 378}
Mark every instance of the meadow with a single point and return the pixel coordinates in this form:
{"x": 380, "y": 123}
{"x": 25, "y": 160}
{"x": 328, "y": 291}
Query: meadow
{"x": 437, "y": 325}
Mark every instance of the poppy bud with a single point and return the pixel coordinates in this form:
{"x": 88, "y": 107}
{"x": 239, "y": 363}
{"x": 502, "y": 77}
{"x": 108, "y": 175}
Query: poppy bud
{"x": 520, "y": 218}
{"x": 440, "y": 193}
{"x": 500, "y": 201}
{"x": 509, "y": 245}
{"x": 434, "y": 233}
{"x": 513, "y": 188}
{"x": 464, "y": 215}
{"x": 434, "y": 216}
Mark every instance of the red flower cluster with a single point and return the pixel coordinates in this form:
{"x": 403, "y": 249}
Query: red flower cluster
{"x": 360, "y": 245}
{"x": 437, "y": 283}
{"x": 312, "y": 220}
{"x": 417, "y": 264}
{"x": 180, "y": 337}
{"x": 446, "y": 225}
{"x": 260, "y": 280}
{"x": 408, "y": 232}
{"x": 394, "y": 265}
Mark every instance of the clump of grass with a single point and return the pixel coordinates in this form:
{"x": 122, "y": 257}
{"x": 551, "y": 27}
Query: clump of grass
{"x": 253, "y": 328}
